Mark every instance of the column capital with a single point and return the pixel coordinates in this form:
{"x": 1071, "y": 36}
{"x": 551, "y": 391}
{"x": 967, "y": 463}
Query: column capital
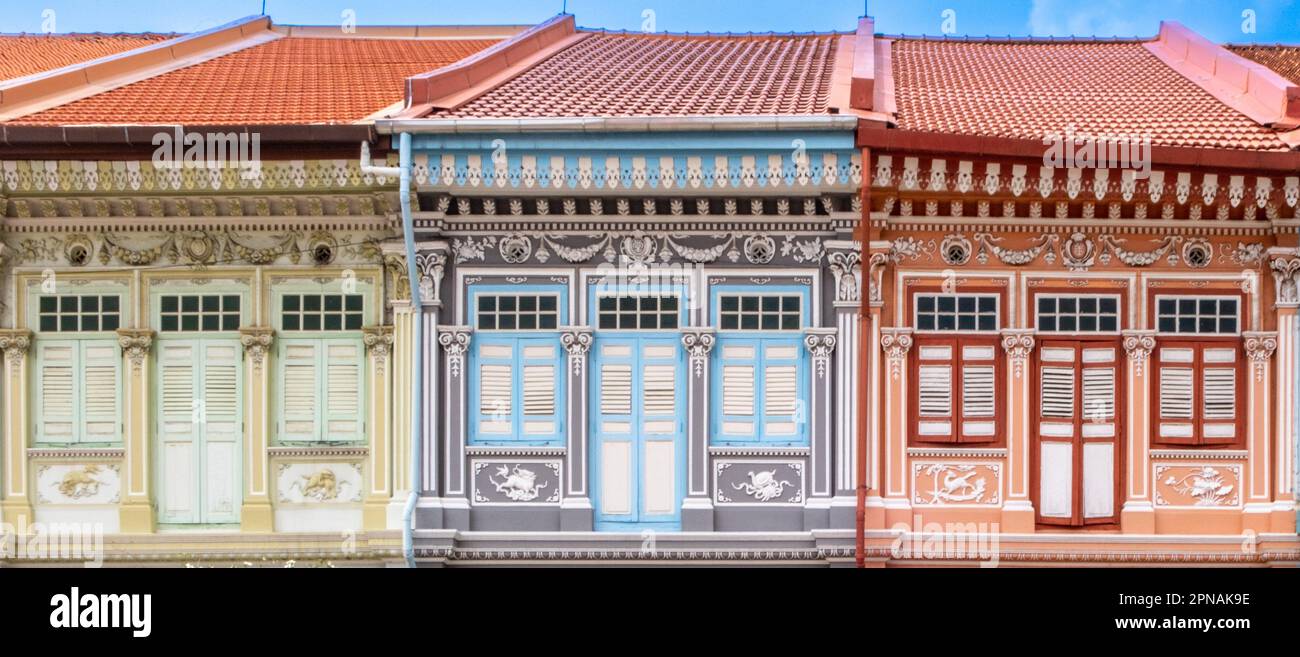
{"x": 1260, "y": 347}
{"x": 896, "y": 342}
{"x": 821, "y": 342}
{"x": 1285, "y": 265}
{"x": 698, "y": 341}
{"x": 135, "y": 344}
{"x": 1019, "y": 344}
{"x": 455, "y": 342}
{"x": 1139, "y": 345}
{"x": 431, "y": 266}
{"x": 379, "y": 343}
{"x": 15, "y": 343}
{"x": 846, "y": 267}
{"x": 576, "y": 341}
{"x": 257, "y": 342}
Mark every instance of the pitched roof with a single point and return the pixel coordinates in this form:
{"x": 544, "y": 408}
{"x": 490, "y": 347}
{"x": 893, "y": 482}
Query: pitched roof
{"x": 615, "y": 74}
{"x": 27, "y": 54}
{"x": 1031, "y": 89}
{"x": 290, "y": 80}
{"x": 1284, "y": 60}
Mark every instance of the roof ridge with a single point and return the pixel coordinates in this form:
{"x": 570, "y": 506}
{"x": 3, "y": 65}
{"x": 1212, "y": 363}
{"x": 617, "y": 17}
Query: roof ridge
{"x": 57, "y": 35}
{"x": 714, "y": 35}
{"x": 1037, "y": 40}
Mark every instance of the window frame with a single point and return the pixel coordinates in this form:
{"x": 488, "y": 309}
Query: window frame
{"x": 913, "y": 310}
{"x": 761, "y": 339}
{"x": 1157, "y": 294}
{"x": 1121, "y": 312}
{"x": 1241, "y": 382}
{"x": 958, "y": 343}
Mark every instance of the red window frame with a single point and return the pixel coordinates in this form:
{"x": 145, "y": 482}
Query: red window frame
{"x": 1198, "y": 347}
{"x": 957, "y": 362}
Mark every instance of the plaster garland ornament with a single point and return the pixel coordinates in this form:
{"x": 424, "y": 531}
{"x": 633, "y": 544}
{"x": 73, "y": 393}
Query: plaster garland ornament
{"x": 135, "y": 345}
{"x": 455, "y": 342}
{"x": 577, "y": 341}
{"x": 698, "y": 342}
{"x": 1079, "y": 253}
{"x": 15, "y": 343}
{"x": 821, "y": 344}
{"x": 1019, "y": 344}
{"x": 1016, "y": 258}
{"x": 257, "y": 344}
{"x": 469, "y": 249}
{"x": 1115, "y": 245}
{"x": 896, "y": 342}
{"x": 1260, "y": 347}
{"x": 1139, "y": 345}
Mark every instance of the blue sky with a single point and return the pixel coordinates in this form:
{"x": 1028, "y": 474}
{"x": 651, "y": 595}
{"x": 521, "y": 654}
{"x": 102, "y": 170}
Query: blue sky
{"x": 1272, "y": 20}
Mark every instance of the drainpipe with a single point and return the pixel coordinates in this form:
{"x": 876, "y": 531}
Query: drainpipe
{"x": 864, "y": 358}
{"x": 403, "y": 173}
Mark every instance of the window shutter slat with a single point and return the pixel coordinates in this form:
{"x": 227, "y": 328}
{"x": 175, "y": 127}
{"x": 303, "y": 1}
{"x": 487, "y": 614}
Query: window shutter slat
{"x": 1099, "y": 393}
{"x": 616, "y": 389}
{"x": 494, "y": 389}
{"x": 936, "y": 390}
{"x": 659, "y": 390}
{"x": 298, "y": 365}
{"x": 100, "y": 419}
{"x": 343, "y": 404}
{"x": 57, "y": 419}
{"x": 221, "y": 382}
{"x": 1058, "y": 392}
{"x": 539, "y": 390}
{"x": 978, "y": 391}
{"x": 1220, "y": 394}
{"x": 1176, "y": 393}
{"x": 780, "y": 390}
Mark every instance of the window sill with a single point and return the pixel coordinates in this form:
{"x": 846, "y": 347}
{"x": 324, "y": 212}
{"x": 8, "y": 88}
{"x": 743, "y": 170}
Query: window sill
{"x": 759, "y": 450}
{"x": 515, "y": 450}
{"x": 299, "y": 451}
{"x": 939, "y": 451}
{"x": 1194, "y": 453}
{"x": 75, "y": 451}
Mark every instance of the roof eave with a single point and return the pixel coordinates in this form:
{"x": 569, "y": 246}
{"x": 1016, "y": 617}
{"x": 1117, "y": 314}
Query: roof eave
{"x": 780, "y": 123}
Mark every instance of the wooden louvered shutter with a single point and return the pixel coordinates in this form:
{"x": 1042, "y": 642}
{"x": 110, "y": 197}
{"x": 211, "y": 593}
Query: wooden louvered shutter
{"x": 299, "y": 367}
{"x": 1176, "y": 393}
{"x": 492, "y": 387}
{"x": 660, "y": 388}
{"x": 100, "y": 416}
{"x": 784, "y": 417}
{"x": 344, "y": 367}
{"x": 1099, "y": 430}
{"x": 221, "y": 429}
{"x": 56, "y": 367}
{"x": 979, "y": 392}
{"x": 1220, "y": 378}
{"x": 178, "y": 429}
{"x": 1058, "y": 403}
{"x": 738, "y": 375}
{"x": 540, "y": 364}
{"x": 934, "y": 395}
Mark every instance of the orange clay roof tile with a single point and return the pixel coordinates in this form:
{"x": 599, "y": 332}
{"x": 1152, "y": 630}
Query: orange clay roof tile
{"x": 1030, "y": 90}
{"x": 1284, "y": 60}
{"x": 292, "y": 80}
{"x": 28, "y": 54}
{"x": 618, "y": 75}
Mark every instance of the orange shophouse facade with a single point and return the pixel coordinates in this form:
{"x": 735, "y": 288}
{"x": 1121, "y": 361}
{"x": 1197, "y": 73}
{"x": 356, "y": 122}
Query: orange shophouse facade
{"x": 1079, "y": 363}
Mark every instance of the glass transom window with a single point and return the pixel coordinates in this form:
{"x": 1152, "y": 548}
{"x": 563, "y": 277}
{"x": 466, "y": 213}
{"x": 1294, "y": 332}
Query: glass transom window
{"x": 518, "y": 312}
{"x": 760, "y": 312}
{"x": 321, "y": 312}
{"x": 956, "y": 312}
{"x": 1198, "y": 315}
{"x": 637, "y": 312}
{"x": 1075, "y": 314}
{"x": 199, "y": 312}
{"x": 79, "y": 313}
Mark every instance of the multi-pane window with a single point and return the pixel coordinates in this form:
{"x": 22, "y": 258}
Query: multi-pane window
{"x": 760, "y": 312}
{"x": 626, "y": 313}
{"x": 1190, "y": 315}
{"x": 79, "y": 313}
{"x": 199, "y": 312}
{"x": 957, "y": 394}
{"x": 1078, "y": 314}
{"x": 1198, "y": 388}
{"x": 956, "y": 312}
{"x": 322, "y": 312}
{"x": 518, "y": 312}
{"x": 760, "y": 368}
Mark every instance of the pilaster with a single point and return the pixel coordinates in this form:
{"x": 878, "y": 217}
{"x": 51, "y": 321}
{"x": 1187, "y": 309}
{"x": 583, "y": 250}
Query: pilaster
{"x": 1138, "y": 514}
{"x": 821, "y": 344}
{"x": 1018, "y": 510}
{"x": 895, "y": 343}
{"x": 379, "y": 347}
{"x": 697, "y": 508}
{"x": 257, "y": 514}
{"x": 137, "y": 511}
{"x": 15, "y": 502}
{"x": 576, "y": 512}
{"x": 455, "y": 341}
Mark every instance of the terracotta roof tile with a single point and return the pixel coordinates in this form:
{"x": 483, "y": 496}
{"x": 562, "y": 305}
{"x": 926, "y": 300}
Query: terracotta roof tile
{"x": 1029, "y": 90}
{"x": 618, "y": 74}
{"x": 292, "y": 80}
{"x": 1284, "y": 60}
{"x": 27, "y": 54}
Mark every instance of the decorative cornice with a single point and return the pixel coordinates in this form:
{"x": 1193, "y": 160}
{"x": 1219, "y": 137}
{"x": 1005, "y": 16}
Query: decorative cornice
{"x": 1019, "y": 344}
{"x": 896, "y": 342}
{"x": 1260, "y": 346}
{"x": 257, "y": 343}
{"x": 820, "y": 342}
{"x": 698, "y": 342}
{"x": 576, "y": 340}
{"x": 1139, "y": 345}
{"x": 455, "y": 342}
{"x": 15, "y": 343}
{"x": 135, "y": 345}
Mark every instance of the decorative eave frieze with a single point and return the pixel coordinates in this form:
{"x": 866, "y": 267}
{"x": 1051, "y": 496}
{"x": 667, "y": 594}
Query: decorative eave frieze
{"x": 639, "y": 250}
{"x": 20, "y": 177}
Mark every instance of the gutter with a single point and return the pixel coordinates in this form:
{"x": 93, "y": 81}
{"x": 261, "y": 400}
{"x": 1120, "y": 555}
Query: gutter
{"x": 776, "y": 122}
{"x": 143, "y": 135}
{"x": 403, "y": 173}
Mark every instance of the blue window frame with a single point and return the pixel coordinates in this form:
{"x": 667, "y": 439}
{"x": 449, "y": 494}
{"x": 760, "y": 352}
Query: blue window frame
{"x": 760, "y": 373}
{"x": 516, "y": 381}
